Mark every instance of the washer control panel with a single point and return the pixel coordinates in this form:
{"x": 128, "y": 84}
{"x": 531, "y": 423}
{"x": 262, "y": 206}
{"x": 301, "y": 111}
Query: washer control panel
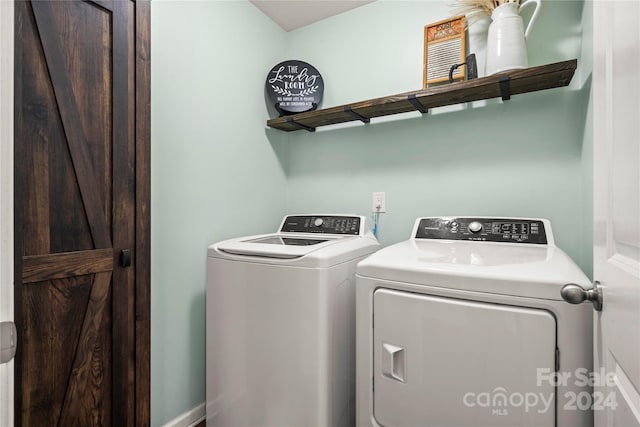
{"x": 327, "y": 224}
{"x": 483, "y": 229}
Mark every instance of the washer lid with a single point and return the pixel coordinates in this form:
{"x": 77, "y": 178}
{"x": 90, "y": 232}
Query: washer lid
{"x": 299, "y": 250}
{"x": 315, "y": 240}
{"x": 278, "y": 246}
{"x": 536, "y": 271}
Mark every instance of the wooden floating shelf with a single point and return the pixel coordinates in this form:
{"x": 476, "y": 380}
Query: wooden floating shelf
{"x": 502, "y": 85}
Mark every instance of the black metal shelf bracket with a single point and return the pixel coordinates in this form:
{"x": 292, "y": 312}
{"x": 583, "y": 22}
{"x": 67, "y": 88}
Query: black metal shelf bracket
{"x": 417, "y": 104}
{"x": 363, "y": 119}
{"x": 505, "y": 88}
{"x": 300, "y": 125}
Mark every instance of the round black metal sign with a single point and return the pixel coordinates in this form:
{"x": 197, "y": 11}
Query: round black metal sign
{"x": 294, "y": 86}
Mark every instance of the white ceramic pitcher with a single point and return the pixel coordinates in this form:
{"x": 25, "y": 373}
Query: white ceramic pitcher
{"x": 506, "y": 41}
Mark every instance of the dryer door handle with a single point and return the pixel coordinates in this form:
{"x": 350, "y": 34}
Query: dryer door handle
{"x": 393, "y": 362}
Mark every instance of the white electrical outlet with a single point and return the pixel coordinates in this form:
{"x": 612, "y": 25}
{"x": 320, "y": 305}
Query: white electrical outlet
{"x": 379, "y": 201}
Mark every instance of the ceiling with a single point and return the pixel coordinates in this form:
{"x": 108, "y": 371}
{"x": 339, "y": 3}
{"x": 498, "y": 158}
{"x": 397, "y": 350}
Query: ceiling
{"x": 293, "y": 14}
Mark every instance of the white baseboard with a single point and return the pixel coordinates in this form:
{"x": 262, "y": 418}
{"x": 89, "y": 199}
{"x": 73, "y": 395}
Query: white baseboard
{"x": 189, "y": 418}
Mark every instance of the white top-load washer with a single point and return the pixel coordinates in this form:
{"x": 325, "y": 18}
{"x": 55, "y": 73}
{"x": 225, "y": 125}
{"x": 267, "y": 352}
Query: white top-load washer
{"x": 281, "y": 324}
{"x": 464, "y": 325}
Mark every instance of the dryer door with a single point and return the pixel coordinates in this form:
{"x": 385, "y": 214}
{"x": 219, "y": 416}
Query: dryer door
{"x": 449, "y": 362}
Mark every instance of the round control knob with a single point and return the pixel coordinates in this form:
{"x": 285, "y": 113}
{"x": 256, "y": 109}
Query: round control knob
{"x": 475, "y": 227}
{"x": 318, "y": 222}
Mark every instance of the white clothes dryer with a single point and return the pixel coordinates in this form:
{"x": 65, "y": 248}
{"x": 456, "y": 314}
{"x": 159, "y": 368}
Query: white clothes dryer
{"x": 281, "y": 324}
{"x": 464, "y": 325}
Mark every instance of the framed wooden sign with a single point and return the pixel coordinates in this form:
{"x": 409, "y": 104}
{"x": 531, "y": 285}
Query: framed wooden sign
{"x": 444, "y": 46}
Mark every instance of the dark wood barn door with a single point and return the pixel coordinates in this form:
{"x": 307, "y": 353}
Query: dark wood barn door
{"x": 81, "y": 209}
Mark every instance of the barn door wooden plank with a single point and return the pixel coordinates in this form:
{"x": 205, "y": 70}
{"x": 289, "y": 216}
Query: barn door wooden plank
{"x": 31, "y": 226}
{"x": 38, "y": 268}
{"x": 83, "y": 400}
{"x": 36, "y": 322}
{"x": 143, "y": 217}
{"x": 69, "y": 114}
{"x": 51, "y": 303}
{"x": 123, "y": 64}
{"x": 31, "y": 179}
{"x": 69, "y": 299}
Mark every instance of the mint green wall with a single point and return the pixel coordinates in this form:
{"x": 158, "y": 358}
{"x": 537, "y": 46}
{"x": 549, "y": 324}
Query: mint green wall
{"x": 218, "y": 172}
{"x": 214, "y": 174}
{"x": 519, "y": 158}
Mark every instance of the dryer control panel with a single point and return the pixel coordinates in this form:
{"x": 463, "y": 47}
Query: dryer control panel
{"x": 327, "y": 224}
{"x": 483, "y": 229}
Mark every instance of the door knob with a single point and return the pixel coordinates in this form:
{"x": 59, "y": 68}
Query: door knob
{"x": 8, "y": 341}
{"x": 575, "y": 294}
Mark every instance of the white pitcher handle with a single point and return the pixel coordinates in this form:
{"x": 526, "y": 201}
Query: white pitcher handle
{"x": 533, "y": 17}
